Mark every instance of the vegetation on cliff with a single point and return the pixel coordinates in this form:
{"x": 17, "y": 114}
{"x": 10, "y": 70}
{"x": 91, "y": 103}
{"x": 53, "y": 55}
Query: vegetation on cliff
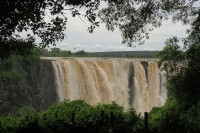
{"x": 181, "y": 111}
{"x": 18, "y": 80}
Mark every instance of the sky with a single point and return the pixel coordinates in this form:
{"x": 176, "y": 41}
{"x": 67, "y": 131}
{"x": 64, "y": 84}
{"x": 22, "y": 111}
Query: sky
{"x": 78, "y": 38}
{"x": 101, "y": 40}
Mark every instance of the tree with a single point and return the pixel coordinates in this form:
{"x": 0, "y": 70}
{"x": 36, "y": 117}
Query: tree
{"x": 172, "y": 57}
{"x": 183, "y": 82}
{"x": 135, "y": 19}
{"x": 183, "y": 104}
{"x": 24, "y": 15}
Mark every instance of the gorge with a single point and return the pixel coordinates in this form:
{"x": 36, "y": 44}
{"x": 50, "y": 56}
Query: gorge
{"x": 132, "y": 83}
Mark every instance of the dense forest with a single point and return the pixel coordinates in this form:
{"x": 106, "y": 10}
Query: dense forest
{"x": 18, "y": 83}
{"x": 57, "y": 52}
{"x": 74, "y": 116}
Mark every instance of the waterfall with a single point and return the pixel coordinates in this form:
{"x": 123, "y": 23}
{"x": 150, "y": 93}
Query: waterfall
{"x": 132, "y": 83}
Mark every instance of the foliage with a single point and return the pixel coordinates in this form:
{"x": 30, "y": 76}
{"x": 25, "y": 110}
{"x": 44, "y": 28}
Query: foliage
{"x": 17, "y": 82}
{"x": 76, "y": 116}
{"x": 187, "y": 84}
{"x": 182, "y": 107}
{"x": 181, "y": 112}
{"x": 27, "y": 15}
{"x": 56, "y": 52}
{"x": 172, "y": 57}
{"x": 136, "y": 19}
{"x": 126, "y": 54}
{"x": 184, "y": 70}
{"x": 15, "y": 45}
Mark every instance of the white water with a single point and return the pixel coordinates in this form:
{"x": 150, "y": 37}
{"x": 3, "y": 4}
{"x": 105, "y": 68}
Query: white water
{"x": 129, "y": 82}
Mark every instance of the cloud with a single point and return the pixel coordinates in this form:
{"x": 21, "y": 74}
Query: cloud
{"x": 98, "y": 46}
{"x": 104, "y": 40}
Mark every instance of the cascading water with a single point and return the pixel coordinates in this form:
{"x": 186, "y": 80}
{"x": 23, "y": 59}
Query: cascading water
{"x": 128, "y": 82}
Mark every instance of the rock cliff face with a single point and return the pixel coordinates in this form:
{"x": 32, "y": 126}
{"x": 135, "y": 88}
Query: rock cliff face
{"x": 47, "y": 84}
{"x": 128, "y": 82}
